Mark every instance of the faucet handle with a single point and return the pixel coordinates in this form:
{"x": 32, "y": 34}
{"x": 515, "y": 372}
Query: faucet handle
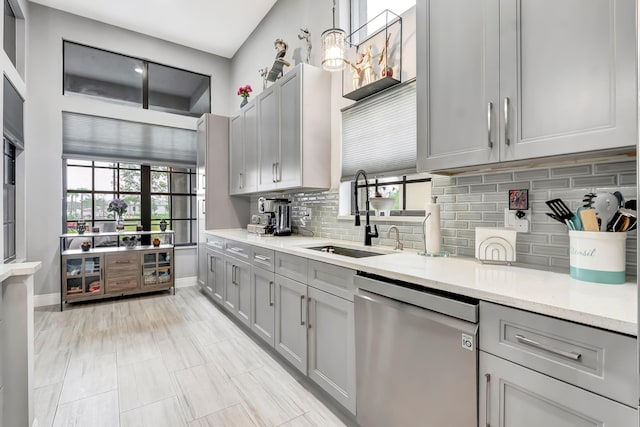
{"x": 375, "y": 231}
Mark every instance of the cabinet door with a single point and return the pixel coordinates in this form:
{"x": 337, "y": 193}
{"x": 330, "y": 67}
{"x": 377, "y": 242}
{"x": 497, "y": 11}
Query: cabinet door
{"x": 230, "y": 287}
{"x": 269, "y": 138}
{"x": 243, "y": 284}
{"x": 263, "y": 304}
{"x": 569, "y": 76}
{"x": 203, "y": 256}
{"x": 291, "y": 321}
{"x": 250, "y": 178}
{"x": 201, "y": 154}
{"x": 288, "y": 167}
{"x": 216, "y": 276}
{"x": 514, "y": 396}
{"x": 332, "y": 360}
{"x": 236, "y": 154}
{"x": 457, "y": 83}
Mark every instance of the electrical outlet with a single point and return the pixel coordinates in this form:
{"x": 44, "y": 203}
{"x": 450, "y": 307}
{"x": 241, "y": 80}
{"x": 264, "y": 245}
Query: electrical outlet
{"x": 513, "y": 222}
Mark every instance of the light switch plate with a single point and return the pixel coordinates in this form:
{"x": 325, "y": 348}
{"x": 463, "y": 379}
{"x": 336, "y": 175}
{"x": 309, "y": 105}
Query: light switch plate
{"x": 512, "y": 221}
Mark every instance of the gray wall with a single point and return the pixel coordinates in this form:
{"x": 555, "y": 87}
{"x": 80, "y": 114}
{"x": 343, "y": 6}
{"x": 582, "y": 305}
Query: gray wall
{"x": 45, "y": 103}
{"x": 473, "y": 200}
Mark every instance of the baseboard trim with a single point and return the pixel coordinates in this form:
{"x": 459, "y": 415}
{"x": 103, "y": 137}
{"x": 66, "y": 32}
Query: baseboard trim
{"x": 46, "y": 299}
{"x": 185, "y": 282}
{"x": 54, "y": 298}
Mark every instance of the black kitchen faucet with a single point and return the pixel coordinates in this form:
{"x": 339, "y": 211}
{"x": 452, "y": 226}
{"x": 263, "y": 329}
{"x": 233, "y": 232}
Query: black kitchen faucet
{"x": 367, "y": 227}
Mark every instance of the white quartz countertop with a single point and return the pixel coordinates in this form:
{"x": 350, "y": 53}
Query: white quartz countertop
{"x": 612, "y": 307}
{"x": 18, "y": 269}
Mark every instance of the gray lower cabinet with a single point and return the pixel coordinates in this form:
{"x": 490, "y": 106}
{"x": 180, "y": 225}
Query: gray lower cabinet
{"x": 332, "y": 346}
{"x": 237, "y": 296}
{"x": 291, "y": 321}
{"x": 215, "y": 276}
{"x": 518, "y": 82}
{"x": 263, "y": 300}
{"x": 514, "y": 396}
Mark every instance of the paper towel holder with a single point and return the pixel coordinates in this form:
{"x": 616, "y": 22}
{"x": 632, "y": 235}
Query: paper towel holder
{"x": 424, "y": 239}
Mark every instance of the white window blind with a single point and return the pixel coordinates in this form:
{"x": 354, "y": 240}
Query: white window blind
{"x": 95, "y": 138}
{"x": 379, "y": 134}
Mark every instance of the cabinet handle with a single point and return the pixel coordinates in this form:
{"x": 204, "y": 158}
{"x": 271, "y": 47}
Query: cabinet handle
{"x": 487, "y": 407}
{"x": 123, "y": 262}
{"x": 302, "y": 298}
{"x": 569, "y": 355}
{"x": 204, "y": 206}
{"x": 204, "y": 182}
{"x": 261, "y": 258}
{"x": 211, "y": 264}
{"x": 507, "y": 141}
{"x": 236, "y": 249}
{"x": 309, "y": 317}
{"x": 271, "y": 293}
{"x": 233, "y": 274}
{"x": 241, "y": 181}
{"x": 273, "y": 172}
{"x": 278, "y": 172}
{"x": 489, "y": 113}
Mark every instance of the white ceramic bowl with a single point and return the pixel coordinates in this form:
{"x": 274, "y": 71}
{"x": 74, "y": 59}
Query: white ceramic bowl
{"x": 382, "y": 204}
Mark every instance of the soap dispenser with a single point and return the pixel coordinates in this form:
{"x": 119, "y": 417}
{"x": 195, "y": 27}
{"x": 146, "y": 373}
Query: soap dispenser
{"x": 432, "y": 235}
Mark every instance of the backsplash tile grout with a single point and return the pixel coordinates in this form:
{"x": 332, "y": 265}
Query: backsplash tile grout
{"x": 473, "y": 200}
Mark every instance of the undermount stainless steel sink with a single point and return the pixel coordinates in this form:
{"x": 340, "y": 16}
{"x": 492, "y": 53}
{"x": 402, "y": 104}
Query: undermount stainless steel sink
{"x": 344, "y": 251}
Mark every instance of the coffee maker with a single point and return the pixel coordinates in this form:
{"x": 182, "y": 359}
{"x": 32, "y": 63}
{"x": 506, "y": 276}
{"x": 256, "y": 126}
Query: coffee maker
{"x": 274, "y": 217}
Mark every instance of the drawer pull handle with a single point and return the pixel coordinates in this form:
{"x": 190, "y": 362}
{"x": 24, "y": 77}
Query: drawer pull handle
{"x": 569, "y": 355}
{"x": 302, "y": 298}
{"x": 261, "y": 258}
{"x": 236, "y": 249}
{"x": 123, "y": 262}
{"x": 489, "y": 113}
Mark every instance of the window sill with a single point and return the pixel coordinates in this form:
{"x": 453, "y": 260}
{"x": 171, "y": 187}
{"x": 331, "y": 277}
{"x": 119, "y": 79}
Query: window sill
{"x": 372, "y": 218}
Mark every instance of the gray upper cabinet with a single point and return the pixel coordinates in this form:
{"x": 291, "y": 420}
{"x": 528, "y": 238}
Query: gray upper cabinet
{"x": 291, "y": 321}
{"x": 263, "y": 301}
{"x": 268, "y": 138}
{"x": 243, "y": 146}
{"x": 514, "y": 396}
{"x": 502, "y": 80}
{"x": 289, "y": 165}
{"x": 293, "y": 129}
{"x": 332, "y": 360}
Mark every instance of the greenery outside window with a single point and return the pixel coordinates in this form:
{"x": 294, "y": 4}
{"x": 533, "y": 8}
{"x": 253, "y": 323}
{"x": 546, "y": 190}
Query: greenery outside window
{"x": 91, "y": 185}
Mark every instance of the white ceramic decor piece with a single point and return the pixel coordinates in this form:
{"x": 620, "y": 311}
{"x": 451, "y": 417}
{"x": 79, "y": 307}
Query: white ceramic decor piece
{"x": 496, "y": 244}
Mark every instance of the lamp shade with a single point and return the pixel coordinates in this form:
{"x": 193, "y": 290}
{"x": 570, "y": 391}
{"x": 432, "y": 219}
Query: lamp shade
{"x": 333, "y": 49}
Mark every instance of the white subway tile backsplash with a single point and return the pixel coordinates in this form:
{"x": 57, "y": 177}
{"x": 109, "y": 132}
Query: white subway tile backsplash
{"x": 478, "y": 200}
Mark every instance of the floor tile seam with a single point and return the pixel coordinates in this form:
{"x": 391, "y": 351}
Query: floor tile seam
{"x": 186, "y": 409}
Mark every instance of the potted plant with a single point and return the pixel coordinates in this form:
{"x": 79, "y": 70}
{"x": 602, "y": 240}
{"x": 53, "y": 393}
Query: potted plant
{"x": 118, "y": 207}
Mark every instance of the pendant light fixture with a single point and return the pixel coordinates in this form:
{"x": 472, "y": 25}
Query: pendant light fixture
{"x": 333, "y": 46}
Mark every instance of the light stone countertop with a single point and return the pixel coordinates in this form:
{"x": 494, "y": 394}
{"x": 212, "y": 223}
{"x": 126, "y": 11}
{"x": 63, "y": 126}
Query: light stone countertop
{"x": 612, "y": 307}
{"x": 18, "y": 269}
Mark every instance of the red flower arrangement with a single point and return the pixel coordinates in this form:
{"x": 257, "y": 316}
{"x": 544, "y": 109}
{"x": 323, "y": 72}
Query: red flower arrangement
{"x": 243, "y": 91}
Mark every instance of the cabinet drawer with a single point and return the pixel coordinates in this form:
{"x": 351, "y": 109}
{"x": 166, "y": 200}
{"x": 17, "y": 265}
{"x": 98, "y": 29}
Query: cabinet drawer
{"x": 122, "y": 260}
{"x": 263, "y": 258}
{"x": 588, "y": 357}
{"x": 121, "y": 284}
{"x": 336, "y": 280}
{"x": 291, "y": 266}
{"x": 215, "y": 243}
{"x": 237, "y": 250}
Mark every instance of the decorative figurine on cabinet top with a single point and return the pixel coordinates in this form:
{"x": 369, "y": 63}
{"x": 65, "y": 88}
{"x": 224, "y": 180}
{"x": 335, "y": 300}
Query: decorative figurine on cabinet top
{"x": 305, "y": 35}
{"x": 277, "y": 69}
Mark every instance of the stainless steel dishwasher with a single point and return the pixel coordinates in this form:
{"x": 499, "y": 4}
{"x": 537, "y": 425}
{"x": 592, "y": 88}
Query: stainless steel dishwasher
{"x": 416, "y": 355}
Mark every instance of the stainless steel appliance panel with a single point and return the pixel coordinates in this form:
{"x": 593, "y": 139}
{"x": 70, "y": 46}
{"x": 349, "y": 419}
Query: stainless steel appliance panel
{"x": 414, "y": 367}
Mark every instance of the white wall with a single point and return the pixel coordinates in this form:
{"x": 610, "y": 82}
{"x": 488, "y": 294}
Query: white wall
{"x": 47, "y": 28}
{"x": 284, "y": 21}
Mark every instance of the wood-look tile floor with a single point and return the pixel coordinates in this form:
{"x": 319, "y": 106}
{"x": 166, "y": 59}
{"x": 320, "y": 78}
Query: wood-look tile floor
{"x": 161, "y": 360}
